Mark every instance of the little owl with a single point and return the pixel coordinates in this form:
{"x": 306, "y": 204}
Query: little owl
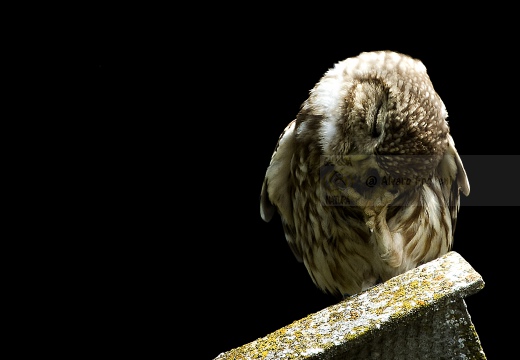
{"x": 366, "y": 179}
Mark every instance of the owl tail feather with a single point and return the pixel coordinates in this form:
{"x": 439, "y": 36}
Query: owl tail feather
{"x": 386, "y": 244}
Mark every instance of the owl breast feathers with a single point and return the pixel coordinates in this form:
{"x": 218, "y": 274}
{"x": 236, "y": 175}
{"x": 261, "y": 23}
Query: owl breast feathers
{"x": 366, "y": 179}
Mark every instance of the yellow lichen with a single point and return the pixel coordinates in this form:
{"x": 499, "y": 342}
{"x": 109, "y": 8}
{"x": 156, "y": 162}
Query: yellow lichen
{"x": 400, "y": 293}
{"x": 408, "y": 305}
{"x": 356, "y": 331}
{"x": 354, "y": 314}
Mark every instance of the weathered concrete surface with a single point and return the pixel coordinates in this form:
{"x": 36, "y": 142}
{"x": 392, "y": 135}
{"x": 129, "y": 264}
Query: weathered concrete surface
{"x": 417, "y": 315}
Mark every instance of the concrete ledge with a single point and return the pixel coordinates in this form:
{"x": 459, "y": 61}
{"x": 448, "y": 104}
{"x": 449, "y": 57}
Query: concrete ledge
{"x": 417, "y": 315}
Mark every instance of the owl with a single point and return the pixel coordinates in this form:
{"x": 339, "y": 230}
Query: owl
{"x": 366, "y": 179}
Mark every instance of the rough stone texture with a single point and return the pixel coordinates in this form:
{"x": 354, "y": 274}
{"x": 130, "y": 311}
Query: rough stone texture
{"x": 417, "y": 315}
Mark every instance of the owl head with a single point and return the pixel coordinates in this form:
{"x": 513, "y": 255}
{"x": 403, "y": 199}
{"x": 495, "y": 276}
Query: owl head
{"x": 381, "y": 104}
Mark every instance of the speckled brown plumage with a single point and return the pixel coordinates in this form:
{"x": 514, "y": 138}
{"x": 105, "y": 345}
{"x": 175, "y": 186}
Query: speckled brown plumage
{"x": 366, "y": 179}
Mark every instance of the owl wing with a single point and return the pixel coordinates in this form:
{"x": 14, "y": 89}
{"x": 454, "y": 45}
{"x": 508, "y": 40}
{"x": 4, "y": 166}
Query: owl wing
{"x": 461, "y": 183}
{"x": 277, "y": 186}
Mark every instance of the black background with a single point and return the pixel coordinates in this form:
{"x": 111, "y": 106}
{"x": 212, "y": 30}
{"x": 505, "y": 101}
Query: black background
{"x": 192, "y": 119}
